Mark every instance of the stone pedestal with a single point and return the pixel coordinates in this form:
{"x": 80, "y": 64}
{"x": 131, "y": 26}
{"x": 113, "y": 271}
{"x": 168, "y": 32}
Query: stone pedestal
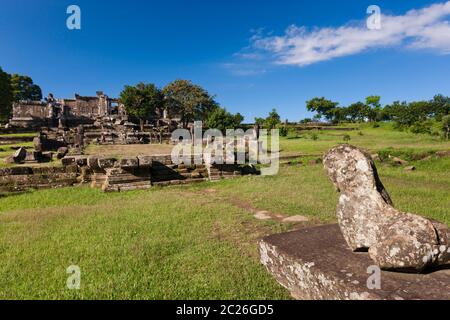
{"x": 316, "y": 264}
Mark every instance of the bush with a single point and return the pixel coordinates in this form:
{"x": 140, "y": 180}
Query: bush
{"x": 424, "y": 127}
{"x": 314, "y": 136}
{"x": 284, "y": 130}
{"x": 293, "y": 133}
{"x": 347, "y": 138}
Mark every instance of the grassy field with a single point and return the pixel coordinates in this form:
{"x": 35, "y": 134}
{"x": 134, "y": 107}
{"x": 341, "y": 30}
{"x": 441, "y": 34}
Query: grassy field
{"x": 363, "y": 136}
{"x": 192, "y": 242}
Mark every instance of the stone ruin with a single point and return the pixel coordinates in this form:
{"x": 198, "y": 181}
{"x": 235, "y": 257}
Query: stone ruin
{"x": 335, "y": 262}
{"x": 64, "y": 112}
{"x": 104, "y": 119}
{"x": 118, "y": 174}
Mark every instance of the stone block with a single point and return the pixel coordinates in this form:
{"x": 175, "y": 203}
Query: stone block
{"x": 46, "y": 156}
{"x": 61, "y": 153}
{"x": 145, "y": 161}
{"x": 316, "y": 264}
{"x": 66, "y": 161}
{"x": 20, "y": 155}
{"x": 129, "y": 163}
{"x": 106, "y": 162}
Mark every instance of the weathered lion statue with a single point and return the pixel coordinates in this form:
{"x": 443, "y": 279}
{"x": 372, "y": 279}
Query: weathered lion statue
{"x": 395, "y": 240}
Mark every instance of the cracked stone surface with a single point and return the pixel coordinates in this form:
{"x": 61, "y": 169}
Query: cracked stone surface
{"x": 315, "y": 263}
{"x": 395, "y": 240}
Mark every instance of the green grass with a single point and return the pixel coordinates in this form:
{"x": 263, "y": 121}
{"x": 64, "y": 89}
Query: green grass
{"x": 372, "y": 138}
{"x": 191, "y": 242}
{"x": 14, "y": 135}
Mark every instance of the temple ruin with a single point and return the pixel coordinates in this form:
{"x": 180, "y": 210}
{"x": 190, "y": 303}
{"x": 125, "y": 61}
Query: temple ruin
{"x": 65, "y": 112}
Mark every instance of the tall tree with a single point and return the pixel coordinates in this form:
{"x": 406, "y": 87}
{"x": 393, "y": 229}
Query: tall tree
{"x": 221, "y": 119}
{"x": 191, "y": 102}
{"x": 24, "y": 89}
{"x": 356, "y": 111}
{"x": 323, "y": 107}
{"x": 273, "y": 120}
{"x": 373, "y": 108}
{"x": 141, "y": 100}
{"x": 6, "y": 96}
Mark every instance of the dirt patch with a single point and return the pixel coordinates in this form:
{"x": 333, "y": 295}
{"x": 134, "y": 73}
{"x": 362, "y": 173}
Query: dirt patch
{"x": 268, "y": 215}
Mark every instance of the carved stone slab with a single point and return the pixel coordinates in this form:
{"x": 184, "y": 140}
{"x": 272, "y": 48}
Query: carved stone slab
{"x": 317, "y": 264}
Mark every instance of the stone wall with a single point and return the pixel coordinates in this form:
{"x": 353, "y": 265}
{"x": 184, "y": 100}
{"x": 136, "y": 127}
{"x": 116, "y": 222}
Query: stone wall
{"x": 63, "y": 112}
{"x": 31, "y": 114}
{"x": 111, "y": 174}
{"x": 22, "y": 178}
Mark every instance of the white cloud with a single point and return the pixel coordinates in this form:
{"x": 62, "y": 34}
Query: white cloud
{"x": 426, "y": 28}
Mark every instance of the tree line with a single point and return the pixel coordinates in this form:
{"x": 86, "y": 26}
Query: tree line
{"x": 15, "y": 87}
{"x": 431, "y": 116}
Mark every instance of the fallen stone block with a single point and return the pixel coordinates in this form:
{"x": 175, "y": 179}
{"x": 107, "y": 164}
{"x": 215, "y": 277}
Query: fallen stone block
{"x": 62, "y": 152}
{"x": 46, "y": 156}
{"x": 20, "y": 155}
{"x": 399, "y": 161}
{"x": 316, "y": 264}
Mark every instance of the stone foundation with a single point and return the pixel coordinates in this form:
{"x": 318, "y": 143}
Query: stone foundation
{"x": 23, "y": 178}
{"x": 110, "y": 174}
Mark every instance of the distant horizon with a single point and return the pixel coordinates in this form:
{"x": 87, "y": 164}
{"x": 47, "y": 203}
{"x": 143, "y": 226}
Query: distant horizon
{"x": 271, "y": 54}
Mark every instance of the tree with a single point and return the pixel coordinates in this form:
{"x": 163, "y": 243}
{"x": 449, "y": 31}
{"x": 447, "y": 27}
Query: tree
{"x": 6, "y": 96}
{"x": 273, "y": 120}
{"x": 141, "y": 100}
{"x": 440, "y": 106}
{"x": 191, "y": 102}
{"x": 373, "y": 110}
{"x": 323, "y": 107}
{"x": 339, "y": 114}
{"x": 23, "y": 88}
{"x": 446, "y": 126}
{"x": 259, "y": 121}
{"x": 356, "y": 112}
{"x": 221, "y": 119}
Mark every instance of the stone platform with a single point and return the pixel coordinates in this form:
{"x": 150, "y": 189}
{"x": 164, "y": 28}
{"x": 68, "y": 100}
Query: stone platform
{"x": 316, "y": 264}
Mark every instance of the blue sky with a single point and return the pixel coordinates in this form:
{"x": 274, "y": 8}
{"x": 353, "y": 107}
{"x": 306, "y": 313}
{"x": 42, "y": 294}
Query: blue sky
{"x": 238, "y": 50}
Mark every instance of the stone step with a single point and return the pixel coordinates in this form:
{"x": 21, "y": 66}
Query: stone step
{"x": 117, "y": 180}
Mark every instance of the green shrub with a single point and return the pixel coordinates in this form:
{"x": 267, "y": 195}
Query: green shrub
{"x": 424, "y": 127}
{"x": 283, "y": 131}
